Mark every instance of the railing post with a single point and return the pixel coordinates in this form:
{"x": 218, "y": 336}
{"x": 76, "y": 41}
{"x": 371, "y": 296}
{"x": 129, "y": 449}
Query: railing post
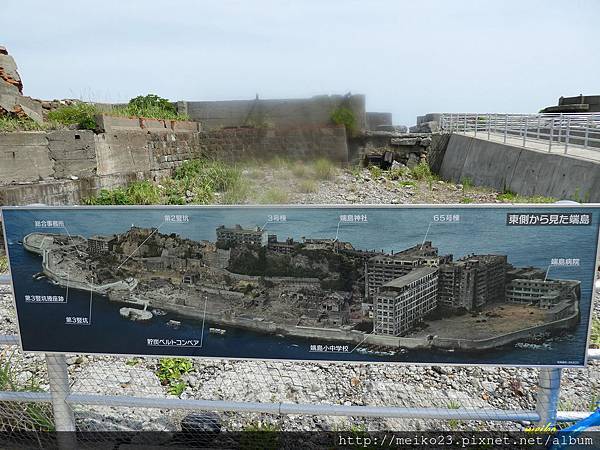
{"x": 538, "y": 126}
{"x": 525, "y": 132}
{"x": 476, "y": 120}
{"x": 465, "y": 125}
{"x": 551, "y": 135}
{"x": 567, "y": 134}
{"x": 560, "y": 125}
{"x": 505, "y": 126}
{"x": 587, "y": 132}
{"x": 59, "y": 391}
{"x": 489, "y": 125}
{"x": 547, "y": 395}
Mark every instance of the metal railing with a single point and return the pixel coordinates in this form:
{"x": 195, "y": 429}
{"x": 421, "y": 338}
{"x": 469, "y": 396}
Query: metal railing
{"x": 550, "y": 132}
{"x": 63, "y": 401}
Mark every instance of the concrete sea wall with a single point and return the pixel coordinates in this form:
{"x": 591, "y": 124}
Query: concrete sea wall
{"x": 520, "y": 170}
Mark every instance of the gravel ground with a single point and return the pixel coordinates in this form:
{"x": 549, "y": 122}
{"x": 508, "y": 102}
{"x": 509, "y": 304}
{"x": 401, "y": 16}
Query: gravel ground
{"x": 291, "y": 382}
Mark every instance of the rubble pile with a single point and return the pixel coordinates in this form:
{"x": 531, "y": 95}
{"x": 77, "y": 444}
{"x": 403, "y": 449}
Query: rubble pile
{"x": 12, "y": 101}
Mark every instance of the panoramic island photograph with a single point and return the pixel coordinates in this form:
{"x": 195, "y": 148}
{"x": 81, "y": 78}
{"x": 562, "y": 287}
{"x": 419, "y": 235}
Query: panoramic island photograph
{"x": 425, "y": 284}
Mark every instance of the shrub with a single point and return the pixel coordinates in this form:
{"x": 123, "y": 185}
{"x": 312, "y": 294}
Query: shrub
{"x": 422, "y": 171}
{"x": 151, "y": 106}
{"x": 79, "y": 114}
{"x": 344, "y": 116}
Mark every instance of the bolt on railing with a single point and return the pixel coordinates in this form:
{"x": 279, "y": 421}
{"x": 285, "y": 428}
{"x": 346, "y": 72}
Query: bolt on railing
{"x": 542, "y": 131}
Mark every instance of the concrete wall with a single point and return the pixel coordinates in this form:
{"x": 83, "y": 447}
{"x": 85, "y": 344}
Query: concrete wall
{"x": 520, "y": 170}
{"x": 375, "y": 119}
{"x": 109, "y": 124}
{"x": 63, "y": 167}
{"x": 280, "y": 112}
{"x": 24, "y": 157}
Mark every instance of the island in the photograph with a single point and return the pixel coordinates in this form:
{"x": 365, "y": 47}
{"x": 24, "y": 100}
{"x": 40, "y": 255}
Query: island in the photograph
{"x": 315, "y": 288}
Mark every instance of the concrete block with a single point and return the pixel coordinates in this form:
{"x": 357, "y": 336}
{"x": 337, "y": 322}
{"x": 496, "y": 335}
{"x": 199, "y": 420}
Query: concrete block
{"x": 24, "y": 157}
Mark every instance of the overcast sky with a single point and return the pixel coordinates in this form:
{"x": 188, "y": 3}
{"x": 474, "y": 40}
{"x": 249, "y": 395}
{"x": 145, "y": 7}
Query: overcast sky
{"x": 408, "y": 57}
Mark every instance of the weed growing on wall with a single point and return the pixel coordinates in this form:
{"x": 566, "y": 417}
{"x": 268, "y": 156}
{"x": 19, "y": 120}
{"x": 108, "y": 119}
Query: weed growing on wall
{"x": 151, "y": 106}
{"x": 9, "y": 124}
{"x": 344, "y": 116}
{"x": 81, "y": 115}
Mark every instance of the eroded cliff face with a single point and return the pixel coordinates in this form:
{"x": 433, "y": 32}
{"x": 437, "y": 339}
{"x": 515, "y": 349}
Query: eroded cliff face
{"x": 12, "y": 100}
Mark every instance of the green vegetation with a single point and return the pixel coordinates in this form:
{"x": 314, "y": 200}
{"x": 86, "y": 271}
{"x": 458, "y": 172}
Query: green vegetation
{"x": 273, "y": 196}
{"x": 3, "y": 264}
{"x": 511, "y": 197}
{"x": 452, "y": 404}
{"x": 344, "y": 116}
{"x": 22, "y": 416}
{"x": 324, "y": 169}
{"x": 80, "y": 114}
{"x": 9, "y": 124}
{"x": 260, "y": 436}
{"x": 299, "y": 170}
{"x": 397, "y": 174}
{"x": 83, "y": 114}
{"x": 577, "y": 197}
{"x": 422, "y": 172}
{"x": 356, "y": 170}
{"x": 375, "y": 171}
{"x": 137, "y": 193}
{"x": 467, "y": 183}
{"x": 407, "y": 183}
{"x": 308, "y": 186}
{"x": 151, "y": 106}
{"x": 595, "y": 334}
{"x": 466, "y": 200}
{"x": 170, "y": 371}
{"x": 453, "y": 423}
{"x": 198, "y": 179}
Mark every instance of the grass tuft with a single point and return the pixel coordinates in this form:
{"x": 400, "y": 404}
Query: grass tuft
{"x": 308, "y": 186}
{"x": 512, "y": 197}
{"x": 274, "y": 196}
{"x": 324, "y": 169}
{"x": 80, "y": 114}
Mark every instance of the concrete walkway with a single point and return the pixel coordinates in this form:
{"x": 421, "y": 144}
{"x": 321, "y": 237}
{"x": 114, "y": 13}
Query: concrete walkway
{"x": 540, "y": 145}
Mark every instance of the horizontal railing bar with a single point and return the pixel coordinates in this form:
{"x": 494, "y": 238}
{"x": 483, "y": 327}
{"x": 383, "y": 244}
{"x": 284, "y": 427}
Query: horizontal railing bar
{"x": 571, "y": 416}
{"x": 312, "y": 409}
{"x": 290, "y": 408}
{"x": 20, "y": 396}
{"x": 10, "y": 339}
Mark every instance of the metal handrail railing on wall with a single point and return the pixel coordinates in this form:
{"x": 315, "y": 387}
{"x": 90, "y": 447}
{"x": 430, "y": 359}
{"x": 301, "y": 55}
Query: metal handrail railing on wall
{"x": 551, "y": 132}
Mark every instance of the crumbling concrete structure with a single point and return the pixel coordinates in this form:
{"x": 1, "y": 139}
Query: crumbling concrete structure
{"x": 12, "y": 100}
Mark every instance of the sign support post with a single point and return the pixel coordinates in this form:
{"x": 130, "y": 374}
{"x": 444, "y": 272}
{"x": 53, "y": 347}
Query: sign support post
{"x": 547, "y": 396}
